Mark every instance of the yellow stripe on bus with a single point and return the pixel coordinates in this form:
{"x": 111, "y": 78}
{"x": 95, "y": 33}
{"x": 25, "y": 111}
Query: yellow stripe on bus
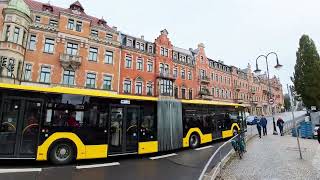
{"x": 148, "y": 147}
{"x": 83, "y": 151}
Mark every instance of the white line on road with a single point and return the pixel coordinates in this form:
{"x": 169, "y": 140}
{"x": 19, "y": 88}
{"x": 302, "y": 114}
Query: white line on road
{"x": 163, "y": 156}
{"x": 3, "y": 171}
{"x": 97, "y": 165}
{"x": 205, "y": 147}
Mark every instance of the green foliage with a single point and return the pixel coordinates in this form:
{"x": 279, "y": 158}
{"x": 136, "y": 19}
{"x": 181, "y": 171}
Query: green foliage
{"x": 287, "y": 103}
{"x": 307, "y": 72}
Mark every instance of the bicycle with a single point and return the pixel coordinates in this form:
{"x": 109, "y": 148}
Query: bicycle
{"x": 239, "y": 145}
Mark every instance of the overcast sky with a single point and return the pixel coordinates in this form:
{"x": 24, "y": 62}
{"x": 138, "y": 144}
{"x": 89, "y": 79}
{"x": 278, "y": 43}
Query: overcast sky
{"x": 235, "y": 31}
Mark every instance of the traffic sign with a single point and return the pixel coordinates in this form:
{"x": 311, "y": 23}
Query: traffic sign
{"x": 271, "y": 101}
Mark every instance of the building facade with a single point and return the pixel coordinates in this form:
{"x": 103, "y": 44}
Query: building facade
{"x": 45, "y": 45}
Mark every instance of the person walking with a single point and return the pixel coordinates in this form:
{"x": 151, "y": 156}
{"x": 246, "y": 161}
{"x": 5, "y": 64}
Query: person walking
{"x": 257, "y": 121}
{"x": 280, "y": 124}
{"x": 264, "y": 123}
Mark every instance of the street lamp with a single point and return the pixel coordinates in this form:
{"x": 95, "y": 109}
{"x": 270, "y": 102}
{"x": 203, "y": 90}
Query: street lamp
{"x": 257, "y": 71}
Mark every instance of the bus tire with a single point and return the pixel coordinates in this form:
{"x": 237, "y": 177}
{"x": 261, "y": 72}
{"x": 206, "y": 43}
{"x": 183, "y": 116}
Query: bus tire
{"x": 194, "y": 140}
{"x": 62, "y": 152}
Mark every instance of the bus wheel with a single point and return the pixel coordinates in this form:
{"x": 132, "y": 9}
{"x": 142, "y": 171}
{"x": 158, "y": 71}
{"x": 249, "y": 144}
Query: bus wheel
{"x": 194, "y": 141}
{"x": 62, "y": 153}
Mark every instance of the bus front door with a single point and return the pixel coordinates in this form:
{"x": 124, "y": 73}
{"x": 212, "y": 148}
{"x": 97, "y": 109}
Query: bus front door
{"x": 123, "y": 136}
{"x": 19, "y": 127}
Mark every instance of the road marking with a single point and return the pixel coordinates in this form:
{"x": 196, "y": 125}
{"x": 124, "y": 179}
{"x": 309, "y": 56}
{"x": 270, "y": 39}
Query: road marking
{"x": 97, "y": 165}
{"x": 202, "y": 148}
{"x": 163, "y": 156}
{"x": 3, "y": 171}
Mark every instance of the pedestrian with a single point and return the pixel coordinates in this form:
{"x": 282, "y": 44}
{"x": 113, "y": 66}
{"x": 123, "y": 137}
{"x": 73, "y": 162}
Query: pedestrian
{"x": 264, "y": 123}
{"x": 257, "y": 121}
{"x": 280, "y": 124}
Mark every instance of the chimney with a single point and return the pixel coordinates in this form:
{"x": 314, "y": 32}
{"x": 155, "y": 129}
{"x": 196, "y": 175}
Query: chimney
{"x": 142, "y": 37}
{"x": 115, "y": 28}
{"x": 201, "y": 45}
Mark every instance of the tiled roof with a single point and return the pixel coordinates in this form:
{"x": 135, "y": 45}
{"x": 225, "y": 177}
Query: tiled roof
{"x": 184, "y": 51}
{"x": 38, "y": 6}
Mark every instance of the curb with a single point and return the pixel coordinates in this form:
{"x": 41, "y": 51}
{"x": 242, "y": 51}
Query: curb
{"x": 217, "y": 169}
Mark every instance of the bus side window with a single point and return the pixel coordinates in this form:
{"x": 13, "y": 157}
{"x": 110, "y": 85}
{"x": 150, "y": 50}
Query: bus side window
{"x": 148, "y": 131}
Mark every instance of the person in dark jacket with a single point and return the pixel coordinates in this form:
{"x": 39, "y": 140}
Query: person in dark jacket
{"x": 264, "y": 123}
{"x": 257, "y": 121}
{"x": 280, "y": 124}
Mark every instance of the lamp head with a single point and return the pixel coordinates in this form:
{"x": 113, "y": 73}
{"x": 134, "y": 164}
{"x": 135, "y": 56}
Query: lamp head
{"x": 257, "y": 71}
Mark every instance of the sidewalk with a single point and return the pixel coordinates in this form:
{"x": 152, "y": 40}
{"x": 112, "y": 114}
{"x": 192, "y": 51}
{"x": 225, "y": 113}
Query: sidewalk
{"x": 276, "y": 157}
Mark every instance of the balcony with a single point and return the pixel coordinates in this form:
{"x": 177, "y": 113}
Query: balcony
{"x": 237, "y": 88}
{"x": 45, "y": 27}
{"x": 72, "y": 61}
{"x": 204, "y": 79}
{"x": 163, "y": 75}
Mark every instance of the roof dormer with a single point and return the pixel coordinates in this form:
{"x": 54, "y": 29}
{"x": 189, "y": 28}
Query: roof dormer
{"x": 76, "y": 7}
{"x": 102, "y": 22}
{"x": 47, "y": 8}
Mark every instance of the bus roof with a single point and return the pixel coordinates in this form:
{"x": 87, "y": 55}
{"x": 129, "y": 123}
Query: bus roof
{"x": 101, "y": 93}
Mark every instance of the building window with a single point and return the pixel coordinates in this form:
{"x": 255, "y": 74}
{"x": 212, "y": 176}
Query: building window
{"x": 7, "y": 33}
{"x": 137, "y": 45}
{"x": 128, "y": 62}
{"x": 10, "y": 68}
{"x": 166, "y": 87}
{"x": 93, "y": 54}
{"x": 72, "y": 49}
{"x": 127, "y": 86}
{"x": 166, "y": 69}
{"x": 91, "y": 80}
{"x": 217, "y": 77}
{"x": 149, "y": 89}
{"x": 45, "y": 74}
{"x": 32, "y": 42}
{"x": 142, "y": 46}
{"x": 138, "y": 88}
{"x": 27, "y": 72}
{"x": 71, "y": 24}
{"x": 189, "y": 75}
{"x": 107, "y": 82}
{"x": 129, "y": 42}
{"x": 37, "y": 19}
{"x": 164, "y": 52}
{"x": 183, "y": 93}
{"x": 79, "y": 26}
{"x": 183, "y": 74}
{"x": 53, "y": 22}
{"x": 109, "y": 37}
{"x": 190, "y": 93}
{"x": 161, "y": 68}
{"x": 108, "y": 57}
{"x": 150, "y": 66}
{"x": 48, "y": 46}
{"x": 140, "y": 64}
{"x": 176, "y": 92}
{"x": 16, "y": 35}
{"x": 175, "y": 72}
{"x": 68, "y": 77}
{"x": 150, "y": 49}
{"x": 213, "y": 92}
{"x": 94, "y": 33}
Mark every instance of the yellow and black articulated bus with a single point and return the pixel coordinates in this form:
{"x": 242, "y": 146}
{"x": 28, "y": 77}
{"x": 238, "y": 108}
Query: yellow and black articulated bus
{"x": 64, "y": 124}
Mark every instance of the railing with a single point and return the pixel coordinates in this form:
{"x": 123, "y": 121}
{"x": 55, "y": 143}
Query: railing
{"x": 166, "y": 75}
{"x": 216, "y": 162}
{"x": 68, "y": 60}
{"x": 204, "y": 79}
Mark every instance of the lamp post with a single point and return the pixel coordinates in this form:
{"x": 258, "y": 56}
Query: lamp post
{"x": 257, "y": 71}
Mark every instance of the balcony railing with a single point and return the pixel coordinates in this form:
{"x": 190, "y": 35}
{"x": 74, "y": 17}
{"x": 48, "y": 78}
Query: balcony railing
{"x": 164, "y": 75}
{"x": 205, "y": 92}
{"x": 68, "y": 60}
{"x": 240, "y": 101}
{"x": 204, "y": 79}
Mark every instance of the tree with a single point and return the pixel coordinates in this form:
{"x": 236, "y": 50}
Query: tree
{"x": 307, "y": 72}
{"x": 287, "y": 103}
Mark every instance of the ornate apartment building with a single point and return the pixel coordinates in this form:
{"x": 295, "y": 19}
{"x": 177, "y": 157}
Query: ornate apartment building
{"x": 45, "y": 45}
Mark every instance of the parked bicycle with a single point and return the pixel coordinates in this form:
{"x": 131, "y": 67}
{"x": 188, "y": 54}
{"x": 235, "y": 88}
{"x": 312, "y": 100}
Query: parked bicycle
{"x": 238, "y": 144}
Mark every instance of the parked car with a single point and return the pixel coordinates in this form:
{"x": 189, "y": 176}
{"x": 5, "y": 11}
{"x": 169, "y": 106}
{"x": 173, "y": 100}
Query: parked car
{"x": 250, "y": 120}
{"x": 315, "y": 133}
